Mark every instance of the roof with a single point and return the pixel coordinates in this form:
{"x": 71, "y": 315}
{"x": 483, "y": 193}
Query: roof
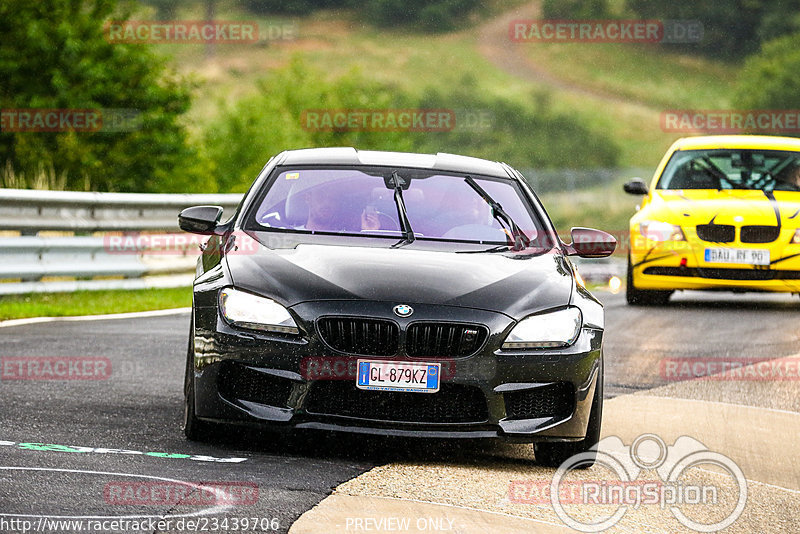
{"x": 767, "y": 142}
{"x": 351, "y": 156}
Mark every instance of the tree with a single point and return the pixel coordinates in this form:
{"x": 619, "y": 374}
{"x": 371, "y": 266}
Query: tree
{"x": 730, "y": 29}
{"x": 54, "y": 55}
{"x": 257, "y": 127}
{"x": 427, "y": 15}
{"x": 574, "y": 9}
{"x": 769, "y": 79}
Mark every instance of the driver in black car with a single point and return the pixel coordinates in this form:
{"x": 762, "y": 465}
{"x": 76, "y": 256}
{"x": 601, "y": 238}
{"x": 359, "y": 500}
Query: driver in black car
{"x": 330, "y": 210}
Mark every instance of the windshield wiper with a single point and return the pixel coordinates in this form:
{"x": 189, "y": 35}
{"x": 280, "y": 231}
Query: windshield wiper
{"x": 398, "y": 183}
{"x": 521, "y": 241}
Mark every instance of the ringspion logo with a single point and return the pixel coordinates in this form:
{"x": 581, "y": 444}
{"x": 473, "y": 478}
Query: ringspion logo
{"x": 648, "y": 472}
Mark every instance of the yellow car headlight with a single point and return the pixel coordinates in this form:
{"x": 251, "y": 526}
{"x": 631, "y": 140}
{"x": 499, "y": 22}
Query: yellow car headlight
{"x": 661, "y": 231}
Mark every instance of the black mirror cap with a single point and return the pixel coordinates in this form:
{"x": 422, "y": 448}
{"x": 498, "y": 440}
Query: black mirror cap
{"x": 200, "y": 219}
{"x": 636, "y": 187}
{"x": 591, "y": 243}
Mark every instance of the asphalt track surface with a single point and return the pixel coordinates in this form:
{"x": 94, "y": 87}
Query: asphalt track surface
{"x": 66, "y": 445}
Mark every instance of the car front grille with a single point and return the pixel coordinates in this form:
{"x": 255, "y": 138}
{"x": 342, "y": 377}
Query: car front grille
{"x": 725, "y": 274}
{"x": 716, "y": 233}
{"x": 444, "y": 340}
{"x": 240, "y": 382}
{"x": 554, "y": 400}
{"x": 759, "y": 234}
{"x": 453, "y": 403}
{"x": 370, "y": 337}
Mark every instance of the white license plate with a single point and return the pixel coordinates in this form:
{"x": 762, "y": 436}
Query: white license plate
{"x": 398, "y": 376}
{"x": 746, "y": 256}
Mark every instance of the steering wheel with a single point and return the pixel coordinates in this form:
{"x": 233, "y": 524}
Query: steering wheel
{"x": 386, "y": 222}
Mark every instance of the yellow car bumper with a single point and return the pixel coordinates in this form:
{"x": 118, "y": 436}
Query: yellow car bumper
{"x": 682, "y": 265}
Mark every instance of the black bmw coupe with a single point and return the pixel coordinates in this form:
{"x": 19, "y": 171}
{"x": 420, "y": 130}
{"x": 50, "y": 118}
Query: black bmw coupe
{"x": 395, "y": 294}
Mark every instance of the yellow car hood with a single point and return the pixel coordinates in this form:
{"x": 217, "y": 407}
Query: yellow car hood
{"x": 730, "y": 206}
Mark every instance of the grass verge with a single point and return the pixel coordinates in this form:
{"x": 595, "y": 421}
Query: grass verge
{"x": 92, "y": 302}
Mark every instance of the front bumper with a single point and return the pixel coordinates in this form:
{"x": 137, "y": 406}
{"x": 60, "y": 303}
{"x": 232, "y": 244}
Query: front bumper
{"x": 681, "y": 265}
{"x": 301, "y": 383}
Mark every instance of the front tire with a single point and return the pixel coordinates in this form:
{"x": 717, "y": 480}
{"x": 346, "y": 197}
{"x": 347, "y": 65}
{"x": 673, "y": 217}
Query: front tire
{"x": 555, "y": 454}
{"x": 643, "y": 297}
{"x": 193, "y": 428}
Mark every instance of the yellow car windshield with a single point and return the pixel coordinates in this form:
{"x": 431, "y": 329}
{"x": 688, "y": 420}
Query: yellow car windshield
{"x": 766, "y": 170}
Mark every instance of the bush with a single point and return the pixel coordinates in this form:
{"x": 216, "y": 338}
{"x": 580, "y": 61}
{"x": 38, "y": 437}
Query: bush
{"x": 434, "y": 16}
{"x": 770, "y": 79}
{"x": 426, "y": 15}
{"x": 291, "y": 7}
{"x": 574, "y": 9}
{"x": 732, "y": 29}
{"x": 526, "y": 136}
{"x": 257, "y": 127}
{"x": 260, "y": 126}
{"x": 54, "y": 55}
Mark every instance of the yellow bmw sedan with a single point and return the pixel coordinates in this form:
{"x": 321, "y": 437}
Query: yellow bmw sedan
{"x": 721, "y": 213}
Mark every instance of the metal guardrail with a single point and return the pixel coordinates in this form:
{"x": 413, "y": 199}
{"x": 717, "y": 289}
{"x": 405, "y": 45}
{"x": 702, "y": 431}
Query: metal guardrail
{"x": 37, "y": 263}
{"x": 29, "y": 258}
{"x": 34, "y": 211}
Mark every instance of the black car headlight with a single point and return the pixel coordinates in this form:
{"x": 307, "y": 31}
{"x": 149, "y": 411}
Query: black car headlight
{"x": 257, "y": 313}
{"x": 546, "y": 330}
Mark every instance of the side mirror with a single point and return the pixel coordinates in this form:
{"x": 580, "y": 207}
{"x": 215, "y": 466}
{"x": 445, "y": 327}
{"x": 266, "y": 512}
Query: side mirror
{"x": 636, "y": 187}
{"x": 591, "y": 243}
{"x": 200, "y": 219}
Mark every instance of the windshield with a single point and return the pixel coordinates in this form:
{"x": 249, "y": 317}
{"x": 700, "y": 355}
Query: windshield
{"x": 766, "y": 170}
{"x": 361, "y": 201}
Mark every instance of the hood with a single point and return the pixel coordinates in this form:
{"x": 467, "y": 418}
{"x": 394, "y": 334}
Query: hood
{"x": 729, "y": 206}
{"x": 512, "y": 284}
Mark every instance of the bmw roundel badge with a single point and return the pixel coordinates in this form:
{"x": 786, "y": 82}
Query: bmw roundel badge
{"x": 403, "y": 310}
